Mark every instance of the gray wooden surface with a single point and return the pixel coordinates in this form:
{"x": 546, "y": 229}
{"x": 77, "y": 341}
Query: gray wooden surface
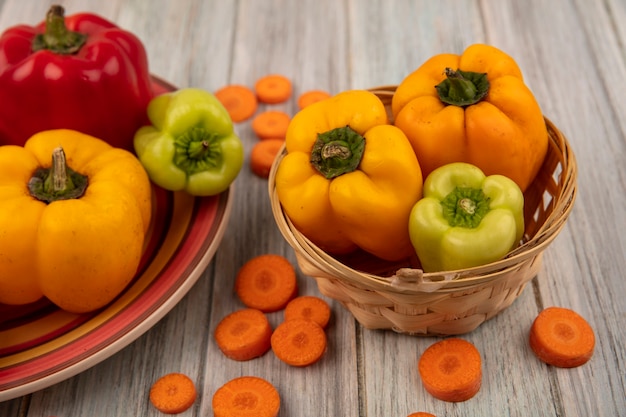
{"x": 573, "y": 56}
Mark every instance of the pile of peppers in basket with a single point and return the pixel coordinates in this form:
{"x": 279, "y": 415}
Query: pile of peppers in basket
{"x": 475, "y": 134}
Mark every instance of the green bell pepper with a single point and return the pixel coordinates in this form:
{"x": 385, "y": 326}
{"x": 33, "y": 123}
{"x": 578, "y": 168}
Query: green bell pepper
{"x": 191, "y": 144}
{"x": 465, "y": 218}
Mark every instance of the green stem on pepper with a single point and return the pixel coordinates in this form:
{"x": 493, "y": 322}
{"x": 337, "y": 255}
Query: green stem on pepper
{"x": 337, "y": 152}
{"x": 57, "y": 37}
{"x": 465, "y": 207}
{"x": 462, "y": 88}
{"x": 197, "y": 150}
{"x": 59, "y": 182}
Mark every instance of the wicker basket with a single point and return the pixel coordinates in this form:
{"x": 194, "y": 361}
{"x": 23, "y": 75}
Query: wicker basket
{"x": 399, "y": 296}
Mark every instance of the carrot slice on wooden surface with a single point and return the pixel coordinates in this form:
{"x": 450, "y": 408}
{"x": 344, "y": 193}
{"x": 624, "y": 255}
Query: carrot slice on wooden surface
{"x": 266, "y": 282}
{"x": 299, "y": 342}
{"x": 263, "y": 154}
{"x": 312, "y": 96}
{"x": 421, "y": 414}
{"x": 451, "y": 370}
{"x": 271, "y": 124}
{"x": 239, "y": 100}
{"x": 561, "y": 337}
{"x": 244, "y": 334}
{"x": 246, "y": 396}
{"x": 273, "y": 88}
{"x": 173, "y": 393}
{"x": 308, "y": 307}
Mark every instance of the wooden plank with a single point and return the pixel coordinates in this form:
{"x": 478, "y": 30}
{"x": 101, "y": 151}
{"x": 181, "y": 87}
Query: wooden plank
{"x": 390, "y": 39}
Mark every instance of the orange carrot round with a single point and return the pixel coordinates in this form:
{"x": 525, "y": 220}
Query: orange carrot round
{"x": 173, "y": 393}
{"x": 246, "y": 396}
{"x": 263, "y": 154}
{"x": 271, "y": 124}
{"x": 312, "y": 96}
{"x": 244, "y": 334}
{"x": 240, "y": 101}
{"x": 561, "y": 337}
{"x": 451, "y": 370}
{"x": 273, "y": 88}
{"x": 421, "y": 414}
{"x": 266, "y": 282}
{"x": 299, "y": 342}
{"x": 308, "y": 307}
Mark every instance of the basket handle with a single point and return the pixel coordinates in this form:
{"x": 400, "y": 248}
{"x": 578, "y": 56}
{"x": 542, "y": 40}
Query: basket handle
{"x": 414, "y": 279}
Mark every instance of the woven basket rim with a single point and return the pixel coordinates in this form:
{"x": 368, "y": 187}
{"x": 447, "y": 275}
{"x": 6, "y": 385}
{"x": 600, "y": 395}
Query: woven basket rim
{"x": 408, "y": 280}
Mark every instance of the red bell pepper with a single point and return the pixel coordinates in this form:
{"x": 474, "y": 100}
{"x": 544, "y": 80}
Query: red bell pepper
{"x": 78, "y": 72}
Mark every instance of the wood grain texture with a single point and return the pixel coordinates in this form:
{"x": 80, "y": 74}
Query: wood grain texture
{"x": 573, "y": 56}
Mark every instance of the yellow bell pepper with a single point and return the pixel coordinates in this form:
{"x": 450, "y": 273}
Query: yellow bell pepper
{"x": 473, "y": 108}
{"x": 73, "y": 216}
{"x": 349, "y": 179}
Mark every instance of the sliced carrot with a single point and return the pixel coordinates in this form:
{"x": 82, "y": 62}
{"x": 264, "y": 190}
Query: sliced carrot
{"x": 271, "y": 124}
{"x": 312, "y": 96}
{"x": 239, "y": 100}
{"x": 266, "y": 282}
{"x": 273, "y": 88}
{"x": 173, "y": 393}
{"x": 308, "y": 307}
{"x": 246, "y": 396}
{"x": 561, "y": 337}
{"x": 421, "y": 414}
{"x": 299, "y": 342}
{"x": 263, "y": 154}
{"x": 244, "y": 334}
{"x": 451, "y": 370}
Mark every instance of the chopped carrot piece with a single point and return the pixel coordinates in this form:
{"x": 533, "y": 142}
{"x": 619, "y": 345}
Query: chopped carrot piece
{"x": 273, "y": 88}
{"x": 244, "y": 334}
{"x": 312, "y": 96}
{"x": 310, "y": 308}
{"x": 239, "y": 101}
{"x": 299, "y": 342}
{"x": 173, "y": 393}
{"x": 266, "y": 282}
{"x": 561, "y": 337}
{"x": 421, "y": 414}
{"x": 246, "y": 396}
{"x": 451, "y": 370}
{"x": 271, "y": 124}
{"x": 263, "y": 154}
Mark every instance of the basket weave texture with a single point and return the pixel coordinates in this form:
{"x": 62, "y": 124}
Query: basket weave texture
{"x": 400, "y": 297}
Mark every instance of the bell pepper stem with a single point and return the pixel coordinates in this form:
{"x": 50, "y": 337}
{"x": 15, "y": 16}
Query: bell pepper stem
{"x": 57, "y": 37}
{"x": 337, "y": 152}
{"x": 465, "y": 207}
{"x": 59, "y": 182}
{"x": 336, "y": 149}
{"x": 197, "y": 150}
{"x": 462, "y": 88}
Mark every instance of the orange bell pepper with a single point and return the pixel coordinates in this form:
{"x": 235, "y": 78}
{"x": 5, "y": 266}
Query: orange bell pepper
{"x": 474, "y": 108}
